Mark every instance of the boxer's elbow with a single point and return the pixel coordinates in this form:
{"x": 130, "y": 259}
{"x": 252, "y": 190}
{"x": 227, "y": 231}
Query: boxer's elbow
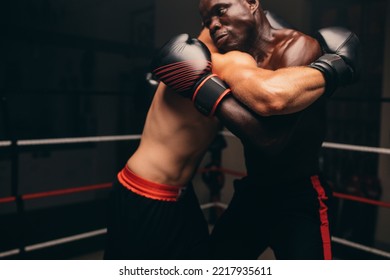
{"x": 275, "y": 106}
{"x": 262, "y": 94}
{"x": 269, "y": 102}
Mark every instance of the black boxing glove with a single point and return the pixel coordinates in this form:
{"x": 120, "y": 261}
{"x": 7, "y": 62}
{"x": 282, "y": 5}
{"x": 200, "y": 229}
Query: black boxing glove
{"x": 184, "y": 64}
{"x": 276, "y": 21}
{"x": 340, "y": 62}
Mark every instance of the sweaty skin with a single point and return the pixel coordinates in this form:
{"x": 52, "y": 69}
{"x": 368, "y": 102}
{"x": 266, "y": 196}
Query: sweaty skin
{"x": 281, "y": 165}
{"x": 273, "y": 94}
{"x": 171, "y": 144}
{"x": 174, "y": 139}
{"x": 230, "y": 26}
{"x": 153, "y": 221}
{"x": 254, "y": 75}
{"x": 176, "y": 135}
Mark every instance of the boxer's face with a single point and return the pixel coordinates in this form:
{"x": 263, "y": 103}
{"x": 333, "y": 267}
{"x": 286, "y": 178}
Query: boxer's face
{"x": 231, "y": 23}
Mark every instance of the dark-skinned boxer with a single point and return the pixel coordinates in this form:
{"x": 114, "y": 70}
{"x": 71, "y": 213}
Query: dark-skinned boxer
{"x": 283, "y": 203}
{"x": 155, "y": 214}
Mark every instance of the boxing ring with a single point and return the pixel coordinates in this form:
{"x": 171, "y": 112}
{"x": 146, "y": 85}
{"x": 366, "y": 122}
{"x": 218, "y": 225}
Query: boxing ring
{"x": 17, "y": 199}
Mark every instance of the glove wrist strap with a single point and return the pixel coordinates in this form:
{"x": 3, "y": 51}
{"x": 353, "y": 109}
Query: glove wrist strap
{"x": 209, "y": 93}
{"x": 335, "y": 70}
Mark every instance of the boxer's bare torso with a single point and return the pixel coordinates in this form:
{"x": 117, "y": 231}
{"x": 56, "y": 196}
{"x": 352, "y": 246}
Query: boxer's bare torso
{"x": 174, "y": 140}
{"x": 176, "y": 135}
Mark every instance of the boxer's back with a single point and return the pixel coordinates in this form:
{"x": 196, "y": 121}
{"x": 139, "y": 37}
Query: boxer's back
{"x": 174, "y": 139}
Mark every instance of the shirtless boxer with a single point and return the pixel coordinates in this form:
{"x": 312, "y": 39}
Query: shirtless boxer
{"x": 155, "y": 213}
{"x": 283, "y": 203}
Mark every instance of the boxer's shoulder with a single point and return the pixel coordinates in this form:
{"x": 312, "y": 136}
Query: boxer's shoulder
{"x": 297, "y": 48}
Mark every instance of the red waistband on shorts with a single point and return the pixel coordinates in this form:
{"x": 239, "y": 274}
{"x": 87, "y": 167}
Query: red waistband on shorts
{"x": 147, "y": 188}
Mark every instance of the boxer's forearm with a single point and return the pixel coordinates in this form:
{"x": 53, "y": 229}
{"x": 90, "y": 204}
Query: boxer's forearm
{"x": 250, "y": 127}
{"x": 284, "y": 91}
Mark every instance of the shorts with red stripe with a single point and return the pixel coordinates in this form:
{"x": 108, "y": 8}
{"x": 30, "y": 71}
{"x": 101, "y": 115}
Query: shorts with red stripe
{"x": 293, "y": 220}
{"x": 147, "y": 220}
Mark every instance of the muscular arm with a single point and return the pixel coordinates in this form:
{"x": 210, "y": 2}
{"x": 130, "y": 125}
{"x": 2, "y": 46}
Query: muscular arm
{"x": 265, "y": 93}
{"x": 271, "y": 92}
{"x": 252, "y": 129}
{"x": 268, "y": 92}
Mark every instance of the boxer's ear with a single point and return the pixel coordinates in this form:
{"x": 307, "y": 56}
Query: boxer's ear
{"x": 253, "y": 5}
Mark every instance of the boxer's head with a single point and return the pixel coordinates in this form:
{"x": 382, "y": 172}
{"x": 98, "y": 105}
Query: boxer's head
{"x": 233, "y": 24}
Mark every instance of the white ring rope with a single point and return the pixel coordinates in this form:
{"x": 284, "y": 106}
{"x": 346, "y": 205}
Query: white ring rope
{"x": 356, "y": 148}
{"x": 339, "y": 146}
{"x": 203, "y": 206}
{"x": 5, "y": 143}
{"x": 55, "y": 242}
{"x": 75, "y": 140}
{"x": 65, "y": 240}
{"x": 361, "y": 247}
{"x": 9, "y": 253}
{"x": 334, "y": 238}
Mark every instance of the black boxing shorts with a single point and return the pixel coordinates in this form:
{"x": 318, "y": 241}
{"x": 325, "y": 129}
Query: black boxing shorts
{"x": 292, "y": 219}
{"x": 147, "y": 221}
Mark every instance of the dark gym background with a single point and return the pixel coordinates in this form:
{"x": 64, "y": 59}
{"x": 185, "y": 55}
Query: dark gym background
{"x": 76, "y": 68}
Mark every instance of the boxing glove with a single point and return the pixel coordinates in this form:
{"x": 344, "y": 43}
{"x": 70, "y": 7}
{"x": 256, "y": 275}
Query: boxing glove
{"x": 184, "y": 64}
{"x": 340, "y": 61}
{"x": 276, "y": 21}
